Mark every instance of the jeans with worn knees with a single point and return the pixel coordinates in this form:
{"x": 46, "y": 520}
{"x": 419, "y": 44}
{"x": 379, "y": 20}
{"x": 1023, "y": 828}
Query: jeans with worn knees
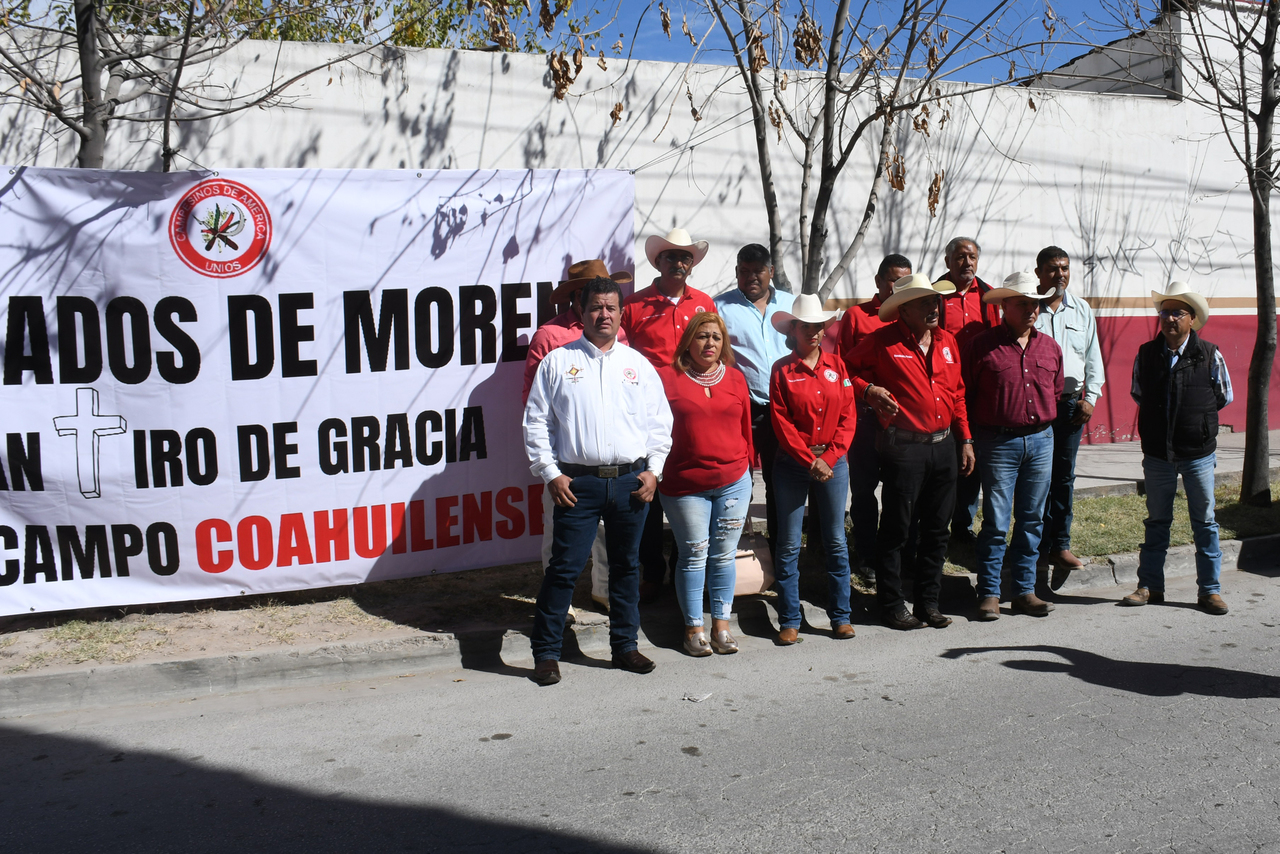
{"x": 707, "y": 526}
{"x": 791, "y": 482}
{"x": 1057, "y": 509}
{"x": 1161, "y": 483}
{"x": 1015, "y": 473}
{"x": 598, "y": 498}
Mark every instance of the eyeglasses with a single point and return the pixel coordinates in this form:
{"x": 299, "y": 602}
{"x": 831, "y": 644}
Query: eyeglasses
{"x": 1174, "y": 313}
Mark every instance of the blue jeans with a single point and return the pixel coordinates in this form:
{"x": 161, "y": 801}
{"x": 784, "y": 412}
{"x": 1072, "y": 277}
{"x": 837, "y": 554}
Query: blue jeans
{"x": 1062, "y": 483}
{"x": 1015, "y": 474}
{"x": 707, "y": 526}
{"x": 791, "y": 483}
{"x": 575, "y": 530}
{"x": 1162, "y": 482}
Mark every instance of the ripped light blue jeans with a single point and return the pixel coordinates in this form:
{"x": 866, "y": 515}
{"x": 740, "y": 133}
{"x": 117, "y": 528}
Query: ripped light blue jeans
{"x": 707, "y": 526}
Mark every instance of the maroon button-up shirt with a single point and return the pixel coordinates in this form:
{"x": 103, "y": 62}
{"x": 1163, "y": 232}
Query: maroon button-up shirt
{"x": 1008, "y": 386}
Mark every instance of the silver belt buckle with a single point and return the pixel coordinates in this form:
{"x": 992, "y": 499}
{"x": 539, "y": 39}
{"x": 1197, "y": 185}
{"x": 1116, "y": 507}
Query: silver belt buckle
{"x": 607, "y": 471}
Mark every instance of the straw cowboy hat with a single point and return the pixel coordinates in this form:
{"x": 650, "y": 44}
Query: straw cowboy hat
{"x": 677, "y": 238}
{"x": 915, "y": 286}
{"x": 1019, "y": 284}
{"x": 1182, "y": 292}
{"x": 807, "y": 308}
{"x": 583, "y": 272}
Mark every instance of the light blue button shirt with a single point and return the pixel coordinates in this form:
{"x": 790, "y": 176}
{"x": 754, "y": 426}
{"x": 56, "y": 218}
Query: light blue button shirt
{"x": 1076, "y": 332}
{"x": 756, "y": 344}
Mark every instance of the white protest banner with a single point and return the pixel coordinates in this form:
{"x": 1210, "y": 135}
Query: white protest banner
{"x": 267, "y": 380}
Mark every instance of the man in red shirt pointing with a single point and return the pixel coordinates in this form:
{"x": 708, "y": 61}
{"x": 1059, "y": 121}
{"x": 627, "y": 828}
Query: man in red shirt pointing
{"x": 909, "y": 372}
{"x": 654, "y": 319}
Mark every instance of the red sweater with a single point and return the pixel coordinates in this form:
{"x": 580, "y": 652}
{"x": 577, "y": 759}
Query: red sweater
{"x": 711, "y": 437}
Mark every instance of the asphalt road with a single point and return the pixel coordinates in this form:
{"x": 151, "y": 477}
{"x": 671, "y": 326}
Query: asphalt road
{"x": 1097, "y": 729}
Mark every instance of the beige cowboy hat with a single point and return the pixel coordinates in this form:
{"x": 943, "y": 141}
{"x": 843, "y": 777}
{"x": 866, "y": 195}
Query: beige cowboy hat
{"x": 807, "y": 308}
{"x": 1182, "y": 292}
{"x": 915, "y": 286}
{"x": 581, "y": 273}
{"x": 1019, "y": 284}
{"x": 677, "y": 238}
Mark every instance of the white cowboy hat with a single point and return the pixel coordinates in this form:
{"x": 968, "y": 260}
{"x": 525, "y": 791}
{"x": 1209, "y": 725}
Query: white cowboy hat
{"x": 915, "y": 286}
{"x": 677, "y": 238}
{"x": 807, "y": 308}
{"x": 1182, "y": 292}
{"x": 1019, "y": 284}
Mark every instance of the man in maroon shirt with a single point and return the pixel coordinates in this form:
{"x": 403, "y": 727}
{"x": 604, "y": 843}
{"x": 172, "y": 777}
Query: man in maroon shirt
{"x": 654, "y": 319}
{"x": 965, "y": 314}
{"x": 864, "y": 463}
{"x": 1014, "y": 376}
{"x": 909, "y": 372}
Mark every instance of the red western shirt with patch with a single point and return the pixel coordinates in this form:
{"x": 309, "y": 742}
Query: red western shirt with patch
{"x": 1009, "y": 386}
{"x": 711, "y": 435}
{"x": 654, "y": 323}
{"x": 966, "y": 315}
{"x": 812, "y": 406}
{"x": 858, "y": 322}
{"x": 928, "y": 386}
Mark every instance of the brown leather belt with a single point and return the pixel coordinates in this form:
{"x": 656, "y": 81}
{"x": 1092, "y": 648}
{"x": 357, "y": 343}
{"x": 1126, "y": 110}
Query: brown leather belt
{"x": 818, "y": 450}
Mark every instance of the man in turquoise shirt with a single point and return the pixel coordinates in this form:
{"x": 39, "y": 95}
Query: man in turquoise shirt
{"x": 746, "y": 311}
{"x": 1069, "y": 321}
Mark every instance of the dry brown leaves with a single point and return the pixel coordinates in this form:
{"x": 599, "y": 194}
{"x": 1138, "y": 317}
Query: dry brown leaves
{"x": 935, "y": 193}
{"x": 697, "y": 116}
{"x": 684, "y": 27}
{"x": 756, "y": 57}
{"x": 808, "y": 41}
{"x": 666, "y": 19}
{"x": 897, "y": 172}
{"x": 616, "y": 113}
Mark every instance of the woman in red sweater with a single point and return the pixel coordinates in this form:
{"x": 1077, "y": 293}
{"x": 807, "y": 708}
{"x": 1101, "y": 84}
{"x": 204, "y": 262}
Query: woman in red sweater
{"x": 706, "y": 482}
{"x": 812, "y": 405}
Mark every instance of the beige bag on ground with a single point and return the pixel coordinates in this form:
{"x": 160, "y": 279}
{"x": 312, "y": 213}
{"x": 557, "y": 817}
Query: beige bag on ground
{"x": 754, "y": 563}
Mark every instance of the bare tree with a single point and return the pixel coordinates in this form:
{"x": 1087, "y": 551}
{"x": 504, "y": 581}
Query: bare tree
{"x": 92, "y": 64}
{"x": 829, "y": 96}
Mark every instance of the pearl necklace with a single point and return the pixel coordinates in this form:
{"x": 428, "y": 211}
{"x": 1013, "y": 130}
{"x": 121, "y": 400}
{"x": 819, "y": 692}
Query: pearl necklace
{"x": 708, "y": 379}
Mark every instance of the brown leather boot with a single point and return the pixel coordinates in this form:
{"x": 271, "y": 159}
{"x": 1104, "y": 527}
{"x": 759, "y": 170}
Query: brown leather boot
{"x": 787, "y": 637}
{"x": 1142, "y": 596}
{"x": 1031, "y": 605}
{"x": 1212, "y": 604}
{"x": 989, "y": 608}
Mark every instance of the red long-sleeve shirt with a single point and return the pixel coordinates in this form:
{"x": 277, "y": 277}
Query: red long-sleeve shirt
{"x": 966, "y": 315}
{"x": 1009, "y": 386}
{"x": 812, "y": 407}
{"x": 929, "y": 388}
{"x": 858, "y": 322}
{"x": 654, "y": 323}
{"x": 711, "y": 436}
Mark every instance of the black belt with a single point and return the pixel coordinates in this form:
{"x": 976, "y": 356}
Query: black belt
{"x": 898, "y": 436}
{"x": 573, "y": 470}
{"x": 1071, "y": 397}
{"x": 1029, "y": 430}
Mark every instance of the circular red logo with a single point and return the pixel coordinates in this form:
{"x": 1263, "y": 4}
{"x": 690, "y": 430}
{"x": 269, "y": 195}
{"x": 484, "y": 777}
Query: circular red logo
{"x": 220, "y": 228}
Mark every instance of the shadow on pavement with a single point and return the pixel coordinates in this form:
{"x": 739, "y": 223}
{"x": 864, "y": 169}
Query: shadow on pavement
{"x": 71, "y": 794}
{"x": 1153, "y": 679}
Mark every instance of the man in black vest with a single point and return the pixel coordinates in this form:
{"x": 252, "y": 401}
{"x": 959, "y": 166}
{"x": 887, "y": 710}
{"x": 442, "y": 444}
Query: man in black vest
{"x": 1180, "y": 381}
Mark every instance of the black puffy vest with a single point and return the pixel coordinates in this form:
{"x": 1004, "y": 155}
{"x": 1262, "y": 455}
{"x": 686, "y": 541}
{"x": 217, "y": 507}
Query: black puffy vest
{"x": 1178, "y": 417}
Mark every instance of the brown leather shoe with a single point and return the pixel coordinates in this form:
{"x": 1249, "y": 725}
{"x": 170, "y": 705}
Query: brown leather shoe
{"x": 1212, "y": 604}
{"x": 1143, "y": 596}
{"x": 842, "y": 632}
{"x": 989, "y": 609}
{"x": 546, "y": 672}
{"x": 902, "y": 620}
{"x": 787, "y": 637}
{"x": 933, "y": 618}
{"x": 1031, "y": 605}
{"x": 633, "y": 662}
{"x": 1064, "y": 560}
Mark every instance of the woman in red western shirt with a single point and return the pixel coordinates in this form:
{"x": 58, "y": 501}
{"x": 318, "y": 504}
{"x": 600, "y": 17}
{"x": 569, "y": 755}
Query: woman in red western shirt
{"x": 813, "y": 409}
{"x": 706, "y": 482}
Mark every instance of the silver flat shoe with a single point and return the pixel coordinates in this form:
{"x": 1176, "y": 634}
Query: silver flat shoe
{"x": 697, "y": 645}
{"x": 723, "y": 642}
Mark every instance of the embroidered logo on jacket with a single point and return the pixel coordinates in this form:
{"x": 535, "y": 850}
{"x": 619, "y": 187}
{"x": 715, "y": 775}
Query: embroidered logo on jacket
{"x": 831, "y": 375}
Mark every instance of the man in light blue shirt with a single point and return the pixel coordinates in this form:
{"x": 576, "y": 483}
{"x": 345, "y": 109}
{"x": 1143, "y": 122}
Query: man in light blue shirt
{"x": 747, "y": 311}
{"x": 1069, "y": 321}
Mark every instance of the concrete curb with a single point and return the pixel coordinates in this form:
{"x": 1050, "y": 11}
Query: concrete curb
{"x": 127, "y": 684}
{"x": 1138, "y": 487}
